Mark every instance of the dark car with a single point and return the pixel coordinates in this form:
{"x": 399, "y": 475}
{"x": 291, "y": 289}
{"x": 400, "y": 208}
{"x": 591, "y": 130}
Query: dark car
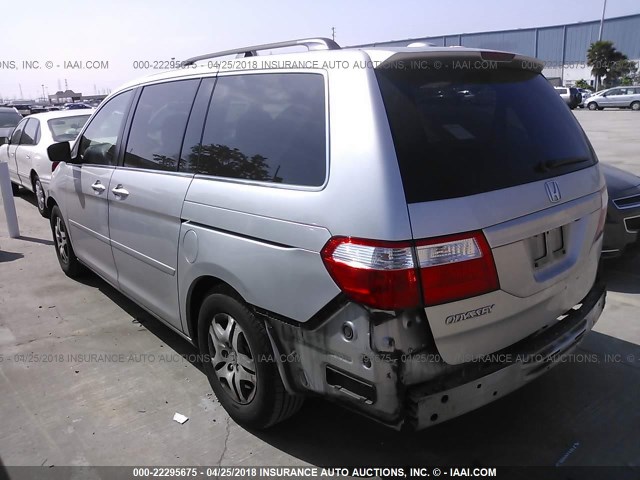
{"x": 9, "y": 118}
{"x": 570, "y": 95}
{"x": 622, "y": 226}
{"x": 76, "y": 106}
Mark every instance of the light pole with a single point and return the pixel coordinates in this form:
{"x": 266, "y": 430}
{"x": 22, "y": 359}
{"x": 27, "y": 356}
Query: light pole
{"x": 604, "y": 7}
{"x": 43, "y": 97}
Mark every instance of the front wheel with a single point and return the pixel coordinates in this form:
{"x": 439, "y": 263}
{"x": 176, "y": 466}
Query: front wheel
{"x": 40, "y": 197}
{"x": 592, "y": 106}
{"x": 635, "y": 106}
{"x": 240, "y": 364}
{"x": 69, "y": 263}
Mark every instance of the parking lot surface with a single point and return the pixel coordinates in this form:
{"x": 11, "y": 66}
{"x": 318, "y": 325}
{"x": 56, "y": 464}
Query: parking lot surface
{"x": 88, "y": 378}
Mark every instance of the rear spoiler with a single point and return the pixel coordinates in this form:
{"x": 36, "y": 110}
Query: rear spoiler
{"x": 441, "y": 59}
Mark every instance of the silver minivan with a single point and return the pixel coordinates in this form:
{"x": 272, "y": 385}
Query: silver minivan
{"x": 406, "y": 231}
{"x": 619, "y": 97}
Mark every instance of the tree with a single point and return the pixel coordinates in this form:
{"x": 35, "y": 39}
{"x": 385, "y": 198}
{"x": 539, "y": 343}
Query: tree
{"x": 583, "y": 84}
{"x": 607, "y": 62}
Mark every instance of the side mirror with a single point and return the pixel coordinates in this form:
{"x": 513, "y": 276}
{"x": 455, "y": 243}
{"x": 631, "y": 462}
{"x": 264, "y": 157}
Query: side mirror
{"x": 59, "y": 152}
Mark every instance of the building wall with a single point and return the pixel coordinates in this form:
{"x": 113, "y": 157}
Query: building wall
{"x": 563, "y": 48}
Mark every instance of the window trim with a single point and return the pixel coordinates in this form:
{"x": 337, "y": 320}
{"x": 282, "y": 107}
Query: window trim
{"x": 262, "y": 183}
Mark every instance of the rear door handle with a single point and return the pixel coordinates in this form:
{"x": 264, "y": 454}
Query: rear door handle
{"x": 28, "y": 157}
{"x": 98, "y": 187}
{"x": 120, "y": 191}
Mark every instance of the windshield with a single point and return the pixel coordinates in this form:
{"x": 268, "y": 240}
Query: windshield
{"x": 9, "y": 119}
{"x": 67, "y": 128}
{"x": 460, "y": 132}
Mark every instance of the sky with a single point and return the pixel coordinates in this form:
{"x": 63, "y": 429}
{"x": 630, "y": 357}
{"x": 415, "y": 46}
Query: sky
{"x": 118, "y": 37}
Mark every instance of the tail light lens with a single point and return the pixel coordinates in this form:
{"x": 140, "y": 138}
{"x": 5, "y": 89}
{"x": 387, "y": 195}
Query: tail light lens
{"x": 374, "y": 273}
{"x": 456, "y": 267}
{"x": 54, "y": 165}
{"x": 385, "y": 275}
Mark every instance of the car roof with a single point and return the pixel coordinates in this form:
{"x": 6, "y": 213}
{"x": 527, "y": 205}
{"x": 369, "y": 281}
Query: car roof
{"x": 61, "y": 113}
{"x": 377, "y": 55}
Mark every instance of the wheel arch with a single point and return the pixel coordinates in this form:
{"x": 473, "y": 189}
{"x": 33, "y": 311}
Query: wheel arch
{"x": 195, "y": 295}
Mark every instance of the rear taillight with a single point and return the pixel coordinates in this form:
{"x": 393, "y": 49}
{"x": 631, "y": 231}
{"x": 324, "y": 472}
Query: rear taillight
{"x": 385, "y": 275}
{"x": 456, "y": 267}
{"x": 375, "y": 273}
{"x": 604, "y": 199}
{"x": 54, "y": 165}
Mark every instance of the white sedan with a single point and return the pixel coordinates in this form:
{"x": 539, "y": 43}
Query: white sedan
{"x": 26, "y": 152}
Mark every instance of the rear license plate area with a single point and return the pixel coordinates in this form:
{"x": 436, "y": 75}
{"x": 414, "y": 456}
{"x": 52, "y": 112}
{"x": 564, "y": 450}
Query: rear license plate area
{"x": 547, "y": 247}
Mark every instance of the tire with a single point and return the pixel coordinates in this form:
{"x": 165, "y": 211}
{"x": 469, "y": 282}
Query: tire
{"x": 635, "y": 106}
{"x": 238, "y": 361}
{"x": 69, "y": 263}
{"x": 41, "y": 200}
{"x": 15, "y": 189}
{"x": 592, "y": 106}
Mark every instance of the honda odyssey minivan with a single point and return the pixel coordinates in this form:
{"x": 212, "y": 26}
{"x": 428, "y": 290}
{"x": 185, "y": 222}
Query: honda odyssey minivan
{"x": 406, "y": 231}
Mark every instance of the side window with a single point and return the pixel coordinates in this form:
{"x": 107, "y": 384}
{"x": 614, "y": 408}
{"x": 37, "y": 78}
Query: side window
{"x": 30, "y": 134}
{"x": 158, "y": 125}
{"x": 267, "y": 127}
{"x": 98, "y": 142}
{"x": 17, "y": 133}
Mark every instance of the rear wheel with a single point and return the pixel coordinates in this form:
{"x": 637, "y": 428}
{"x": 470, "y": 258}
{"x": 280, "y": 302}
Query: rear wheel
{"x": 69, "y": 263}
{"x": 635, "y": 106}
{"x": 592, "y": 106}
{"x": 40, "y": 197}
{"x": 240, "y": 364}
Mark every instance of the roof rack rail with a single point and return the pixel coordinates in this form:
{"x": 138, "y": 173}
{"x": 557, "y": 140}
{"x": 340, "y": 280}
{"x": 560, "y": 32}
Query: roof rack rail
{"x": 319, "y": 43}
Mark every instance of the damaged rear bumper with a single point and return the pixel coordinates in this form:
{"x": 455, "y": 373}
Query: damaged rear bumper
{"x": 372, "y": 370}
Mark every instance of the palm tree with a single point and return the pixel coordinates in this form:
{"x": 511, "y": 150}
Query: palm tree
{"x": 605, "y": 61}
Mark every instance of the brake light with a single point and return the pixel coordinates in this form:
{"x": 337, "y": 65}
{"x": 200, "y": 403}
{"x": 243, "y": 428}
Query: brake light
{"x": 375, "y": 273}
{"x": 54, "y": 165}
{"x": 456, "y": 267}
{"x": 385, "y": 275}
{"x": 604, "y": 199}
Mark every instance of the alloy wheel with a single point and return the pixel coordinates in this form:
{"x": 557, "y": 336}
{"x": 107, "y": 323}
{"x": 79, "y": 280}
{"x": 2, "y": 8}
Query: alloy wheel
{"x": 232, "y": 359}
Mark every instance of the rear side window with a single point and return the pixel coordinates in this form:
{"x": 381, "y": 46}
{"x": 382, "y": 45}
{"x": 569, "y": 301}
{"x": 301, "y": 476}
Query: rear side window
{"x": 65, "y": 129}
{"x": 158, "y": 125}
{"x": 9, "y": 119}
{"x": 460, "y": 132}
{"x": 267, "y": 127}
{"x": 31, "y": 132}
{"x": 17, "y": 132}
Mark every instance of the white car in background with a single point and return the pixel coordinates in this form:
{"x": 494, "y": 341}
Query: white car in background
{"x": 26, "y": 152}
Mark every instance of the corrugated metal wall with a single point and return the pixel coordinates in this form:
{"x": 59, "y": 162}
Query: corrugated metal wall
{"x": 568, "y": 43}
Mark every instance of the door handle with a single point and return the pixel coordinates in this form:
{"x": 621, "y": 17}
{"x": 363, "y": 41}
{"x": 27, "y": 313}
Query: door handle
{"x": 28, "y": 157}
{"x": 120, "y": 191}
{"x": 98, "y": 187}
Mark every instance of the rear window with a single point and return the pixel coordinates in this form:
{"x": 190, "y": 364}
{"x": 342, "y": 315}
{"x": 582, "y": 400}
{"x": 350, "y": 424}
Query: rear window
{"x": 66, "y": 129}
{"x": 460, "y": 132}
{"x": 9, "y": 119}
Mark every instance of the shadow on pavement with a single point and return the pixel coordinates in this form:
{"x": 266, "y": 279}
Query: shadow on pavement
{"x": 169, "y": 337}
{"x": 36, "y": 240}
{"x": 10, "y": 256}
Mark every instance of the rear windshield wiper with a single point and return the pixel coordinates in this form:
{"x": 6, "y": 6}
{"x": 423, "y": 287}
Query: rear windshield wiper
{"x": 561, "y": 162}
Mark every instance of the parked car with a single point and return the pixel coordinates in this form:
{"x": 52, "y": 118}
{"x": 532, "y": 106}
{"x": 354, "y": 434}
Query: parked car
{"x": 9, "y": 118}
{"x": 359, "y": 234}
{"x": 570, "y": 95}
{"x": 76, "y": 106}
{"x": 26, "y": 152}
{"x": 622, "y": 227}
{"x": 619, "y": 97}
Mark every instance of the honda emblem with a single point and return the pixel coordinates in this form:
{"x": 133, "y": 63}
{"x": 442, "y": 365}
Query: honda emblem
{"x": 553, "y": 191}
